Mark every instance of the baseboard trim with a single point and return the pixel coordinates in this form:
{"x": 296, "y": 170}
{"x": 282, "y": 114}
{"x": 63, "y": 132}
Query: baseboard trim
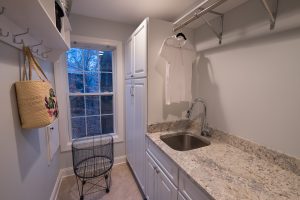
{"x": 56, "y": 186}
{"x": 65, "y": 172}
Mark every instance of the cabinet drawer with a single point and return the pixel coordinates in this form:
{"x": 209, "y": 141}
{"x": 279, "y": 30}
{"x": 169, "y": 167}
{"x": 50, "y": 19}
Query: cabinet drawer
{"x": 190, "y": 190}
{"x": 165, "y": 163}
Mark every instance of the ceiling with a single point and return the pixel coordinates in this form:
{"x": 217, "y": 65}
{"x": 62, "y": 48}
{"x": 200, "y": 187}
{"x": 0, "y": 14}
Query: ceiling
{"x": 134, "y": 11}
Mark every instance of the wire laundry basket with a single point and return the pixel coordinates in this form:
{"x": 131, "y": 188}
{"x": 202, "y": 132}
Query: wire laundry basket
{"x": 92, "y": 158}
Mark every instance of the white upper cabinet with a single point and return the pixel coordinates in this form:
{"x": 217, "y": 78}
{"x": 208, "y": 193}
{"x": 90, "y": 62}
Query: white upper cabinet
{"x": 140, "y": 51}
{"x": 136, "y": 53}
{"x": 128, "y": 58}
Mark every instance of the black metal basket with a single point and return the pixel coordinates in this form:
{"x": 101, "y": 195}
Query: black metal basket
{"x": 92, "y": 158}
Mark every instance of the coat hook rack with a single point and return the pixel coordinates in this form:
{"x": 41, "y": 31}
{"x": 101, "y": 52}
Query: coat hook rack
{"x": 32, "y": 47}
{"x": 272, "y": 13}
{"x": 17, "y": 35}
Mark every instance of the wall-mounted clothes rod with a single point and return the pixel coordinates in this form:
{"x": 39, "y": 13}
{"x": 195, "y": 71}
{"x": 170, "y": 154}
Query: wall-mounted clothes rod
{"x": 199, "y": 11}
{"x": 178, "y": 25}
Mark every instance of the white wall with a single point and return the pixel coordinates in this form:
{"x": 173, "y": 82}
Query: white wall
{"x": 251, "y": 84}
{"x": 24, "y": 169}
{"x": 103, "y": 29}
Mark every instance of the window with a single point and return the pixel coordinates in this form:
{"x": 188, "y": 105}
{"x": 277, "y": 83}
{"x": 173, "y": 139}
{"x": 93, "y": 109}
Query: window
{"x": 91, "y": 95}
{"x": 111, "y": 115}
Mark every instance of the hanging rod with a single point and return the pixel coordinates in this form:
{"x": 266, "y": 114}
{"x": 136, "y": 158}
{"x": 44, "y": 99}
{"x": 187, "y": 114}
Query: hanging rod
{"x": 196, "y": 15}
{"x": 272, "y": 14}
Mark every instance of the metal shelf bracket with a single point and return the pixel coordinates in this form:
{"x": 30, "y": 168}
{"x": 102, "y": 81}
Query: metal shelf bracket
{"x": 272, "y": 12}
{"x": 218, "y": 34}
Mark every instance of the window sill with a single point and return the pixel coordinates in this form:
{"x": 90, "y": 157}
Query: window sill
{"x": 68, "y": 147}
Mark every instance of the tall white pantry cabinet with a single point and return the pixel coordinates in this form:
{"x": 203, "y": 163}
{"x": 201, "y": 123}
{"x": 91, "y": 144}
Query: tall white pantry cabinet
{"x": 136, "y": 100}
{"x": 141, "y": 53}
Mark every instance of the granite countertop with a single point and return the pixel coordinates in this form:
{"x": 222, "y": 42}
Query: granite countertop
{"x": 227, "y": 172}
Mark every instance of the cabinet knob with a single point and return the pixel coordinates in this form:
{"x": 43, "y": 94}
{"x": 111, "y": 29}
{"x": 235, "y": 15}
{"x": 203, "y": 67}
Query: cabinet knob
{"x": 131, "y": 75}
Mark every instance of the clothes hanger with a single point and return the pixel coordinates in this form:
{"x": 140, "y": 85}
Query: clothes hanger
{"x": 180, "y": 35}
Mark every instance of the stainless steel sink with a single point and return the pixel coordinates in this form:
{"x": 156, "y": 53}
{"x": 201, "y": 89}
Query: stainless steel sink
{"x": 184, "y": 141}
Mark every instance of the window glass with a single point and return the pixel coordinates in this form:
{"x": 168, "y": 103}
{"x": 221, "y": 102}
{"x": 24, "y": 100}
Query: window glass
{"x": 77, "y": 106}
{"x": 107, "y": 104}
{"x": 90, "y": 78}
{"x": 78, "y": 127}
{"x": 106, "y": 61}
{"x": 91, "y": 82}
{"x": 107, "y": 123}
{"x": 106, "y": 82}
{"x": 75, "y": 82}
{"x": 92, "y": 105}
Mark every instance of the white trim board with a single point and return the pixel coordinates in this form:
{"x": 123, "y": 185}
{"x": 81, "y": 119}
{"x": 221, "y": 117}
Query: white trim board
{"x": 61, "y": 92}
{"x": 65, "y": 172}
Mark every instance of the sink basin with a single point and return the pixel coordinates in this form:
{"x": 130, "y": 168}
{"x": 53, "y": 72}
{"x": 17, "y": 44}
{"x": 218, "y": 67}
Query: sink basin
{"x": 184, "y": 141}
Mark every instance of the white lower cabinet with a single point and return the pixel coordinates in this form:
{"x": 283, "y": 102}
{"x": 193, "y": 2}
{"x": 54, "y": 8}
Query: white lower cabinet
{"x": 164, "y": 180}
{"x": 135, "y": 105}
{"x": 158, "y": 185}
{"x": 188, "y": 190}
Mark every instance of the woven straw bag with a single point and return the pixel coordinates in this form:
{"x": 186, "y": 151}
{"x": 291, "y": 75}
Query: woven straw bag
{"x": 36, "y": 99}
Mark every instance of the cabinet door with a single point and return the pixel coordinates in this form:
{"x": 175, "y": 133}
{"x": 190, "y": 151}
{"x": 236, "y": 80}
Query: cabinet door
{"x": 128, "y": 59}
{"x": 164, "y": 187}
{"x": 129, "y": 122}
{"x": 140, "y": 51}
{"x": 150, "y": 178}
{"x": 190, "y": 190}
{"x": 140, "y": 122}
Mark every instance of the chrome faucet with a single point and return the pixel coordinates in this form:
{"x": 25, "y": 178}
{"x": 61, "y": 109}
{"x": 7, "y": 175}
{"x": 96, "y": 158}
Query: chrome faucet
{"x": 205, "y": 130}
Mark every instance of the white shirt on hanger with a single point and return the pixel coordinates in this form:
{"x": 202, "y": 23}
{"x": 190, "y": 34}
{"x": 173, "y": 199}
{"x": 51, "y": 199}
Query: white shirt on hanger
{"x": 179, "y": 56}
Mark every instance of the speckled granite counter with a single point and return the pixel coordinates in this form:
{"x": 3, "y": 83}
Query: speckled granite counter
{"x": 228, "y": 172}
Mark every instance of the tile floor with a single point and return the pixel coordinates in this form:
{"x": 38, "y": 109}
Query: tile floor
{"x": 123, "y": 187}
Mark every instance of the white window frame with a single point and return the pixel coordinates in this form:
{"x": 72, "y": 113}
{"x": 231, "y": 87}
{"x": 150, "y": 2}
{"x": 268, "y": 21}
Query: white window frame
{"x": 62, "y": 90}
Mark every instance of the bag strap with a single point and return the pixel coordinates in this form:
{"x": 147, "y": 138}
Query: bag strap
{"x": 36, "y": 65}
{"x": 33, "y": 64}
{"x": 24, "y": 74}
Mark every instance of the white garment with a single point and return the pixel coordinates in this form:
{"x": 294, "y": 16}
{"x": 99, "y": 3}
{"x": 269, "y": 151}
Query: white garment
{"x": 179, "y": 56}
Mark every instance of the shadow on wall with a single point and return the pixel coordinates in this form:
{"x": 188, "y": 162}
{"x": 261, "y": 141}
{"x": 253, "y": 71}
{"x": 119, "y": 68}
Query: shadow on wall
{"x": 205, "y": 86}
{"x": 174, "y": 109}
{"x": 27, "y": 141}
